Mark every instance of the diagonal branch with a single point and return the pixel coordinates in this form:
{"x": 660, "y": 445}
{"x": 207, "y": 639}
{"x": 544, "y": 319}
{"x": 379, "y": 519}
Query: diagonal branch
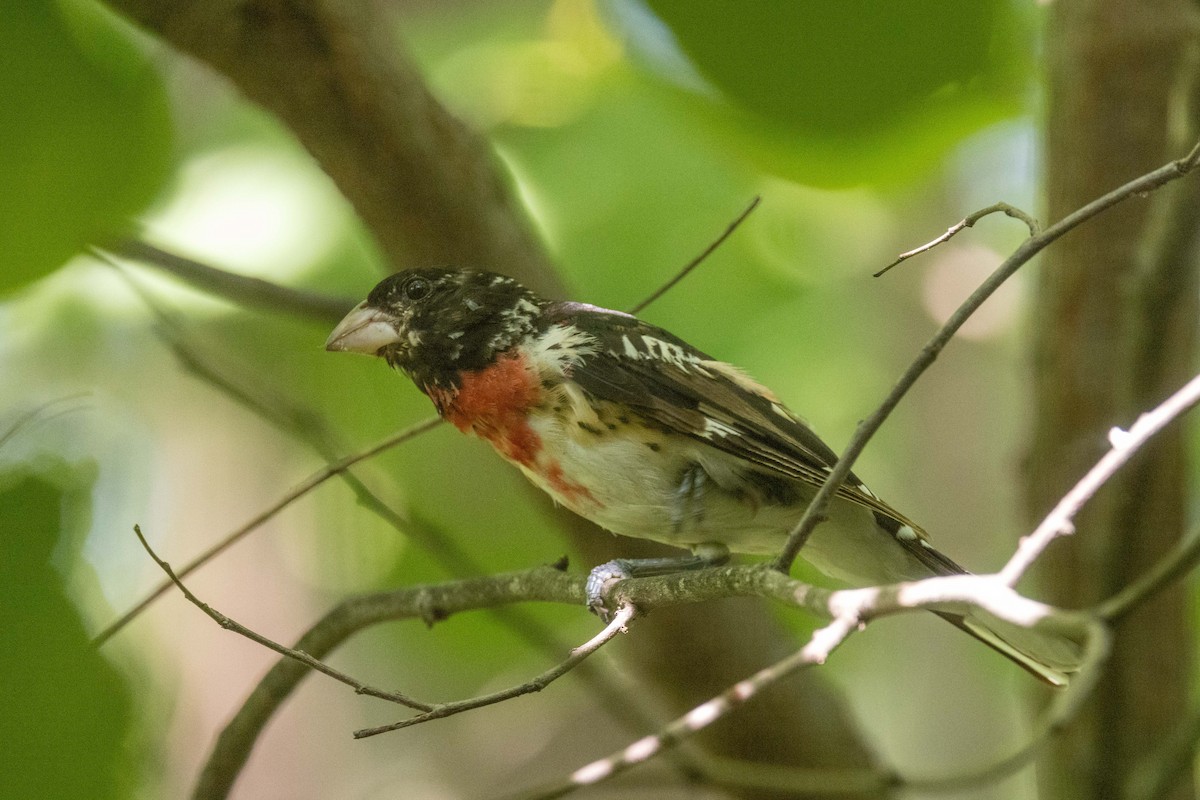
{"x": 301, "y": 489}
{"x": 815, "y": 513}
{"x": 698, "y": 260}
{"x": 1124, "y": 445}
{"x": 621, "y": 618}
{"x": 241, "y": 289}
{"x": 302, "y": 657}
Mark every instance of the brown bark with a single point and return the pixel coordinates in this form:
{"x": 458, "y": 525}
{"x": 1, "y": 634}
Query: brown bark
{"x": 427, "y": 186}
{"x": 431, "y": 192}
{"x": 1115, "y": 322}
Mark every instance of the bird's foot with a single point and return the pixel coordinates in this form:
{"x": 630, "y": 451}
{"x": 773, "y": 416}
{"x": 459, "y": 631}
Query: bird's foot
{"x": 603, "y": 578}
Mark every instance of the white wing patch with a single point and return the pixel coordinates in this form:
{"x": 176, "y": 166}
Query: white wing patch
{"x": 714, "y": 428}
{"x": 671, "y": 353}
{"x": 561, "y": 347}
{"x": 654, "y": 349}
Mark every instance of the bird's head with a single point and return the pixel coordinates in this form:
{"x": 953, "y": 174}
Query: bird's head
{"x": 435, "y": 323}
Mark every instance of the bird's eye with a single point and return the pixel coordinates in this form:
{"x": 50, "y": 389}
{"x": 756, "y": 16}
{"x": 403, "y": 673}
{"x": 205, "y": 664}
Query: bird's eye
{"x": 416, "y": 288}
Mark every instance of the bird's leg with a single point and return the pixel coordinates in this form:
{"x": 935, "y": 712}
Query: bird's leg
{"x": 603, "y": 577}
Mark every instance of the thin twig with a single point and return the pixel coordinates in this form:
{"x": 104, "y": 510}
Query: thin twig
{"x": 823, "y": 642}
{"x": 818, "y": 507}
{"x": 235, "y": 742}
{"x": 240, "y": 289}
{"x": 851, "y": 610}
{"x": 1170, "y": 568}
{"x": 620, "y": 620}
{"x": 296, "y": 655}
{"x": 820, "y": 782}
{"x": 695, "y": 262}
{"x": 967, "y": 222}
{"x": 306, "y": 486}
{"x": 39, "y": 414}
{"x": 1124, "y": 444}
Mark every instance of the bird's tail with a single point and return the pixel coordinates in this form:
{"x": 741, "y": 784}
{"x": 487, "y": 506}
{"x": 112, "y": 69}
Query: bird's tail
{"x": 1050, "y": 656}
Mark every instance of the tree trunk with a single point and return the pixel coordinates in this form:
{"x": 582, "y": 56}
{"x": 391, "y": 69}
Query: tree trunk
{"x": 1115, "y": 333}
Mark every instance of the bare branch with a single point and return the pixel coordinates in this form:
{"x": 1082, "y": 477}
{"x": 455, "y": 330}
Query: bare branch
{"x": 620, "y": 620}
{"x": 245, "y": 291}
{"x": 695, "y": 262}
{"x": 296, "y": 655}
{"x": 817, "y": 509}
{"x": 839, "y": 782}
{"x": 823, "y": 642}
{"x": 851, "y": 609}
{"x": 305, "y": 486}
{"x": 437, "y": 601}
{"x": 967, "y": 222}
{"x": 1124, "y": 445}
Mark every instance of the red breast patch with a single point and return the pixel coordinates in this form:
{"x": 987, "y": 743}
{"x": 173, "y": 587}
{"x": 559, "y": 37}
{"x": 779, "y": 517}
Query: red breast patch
{"x": 494, "y": 402}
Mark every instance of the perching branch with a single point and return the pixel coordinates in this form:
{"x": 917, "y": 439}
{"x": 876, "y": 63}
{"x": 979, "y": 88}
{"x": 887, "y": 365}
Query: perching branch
{"x": 852, "y": 607}
{"x": 236, "y": 741}
{"x": 818, "y": 508}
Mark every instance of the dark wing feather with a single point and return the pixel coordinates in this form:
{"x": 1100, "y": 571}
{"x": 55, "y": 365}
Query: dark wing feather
{"x": 683, "y": 390}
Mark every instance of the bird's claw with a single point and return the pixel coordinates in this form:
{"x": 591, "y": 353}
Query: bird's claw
{"x": 599, "y": 580}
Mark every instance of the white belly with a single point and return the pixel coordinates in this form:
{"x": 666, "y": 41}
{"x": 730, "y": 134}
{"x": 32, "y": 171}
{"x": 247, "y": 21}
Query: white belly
{"x": 633, "y": 490}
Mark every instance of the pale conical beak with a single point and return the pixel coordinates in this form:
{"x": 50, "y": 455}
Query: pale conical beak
{"x": 364, "y": 330}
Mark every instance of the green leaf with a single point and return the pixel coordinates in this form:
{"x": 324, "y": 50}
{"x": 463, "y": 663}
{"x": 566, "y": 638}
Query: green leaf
{"x": 66, "y": 710}
{"x": 86, "y": 139}
{"x": 836, "y": 93}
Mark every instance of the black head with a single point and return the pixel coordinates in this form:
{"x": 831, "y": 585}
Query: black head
{"x": 435, "y": 323}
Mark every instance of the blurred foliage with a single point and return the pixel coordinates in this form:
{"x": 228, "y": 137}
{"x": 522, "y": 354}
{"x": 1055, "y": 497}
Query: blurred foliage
{"x": 838, "y": 94}
{"x": 635, "y": 133}
{"x": 87, "y": 140}
{"x": 67, "y": 711}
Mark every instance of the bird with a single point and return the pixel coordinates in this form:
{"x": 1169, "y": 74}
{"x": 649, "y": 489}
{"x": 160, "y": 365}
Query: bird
{"x": 647, "y": 436}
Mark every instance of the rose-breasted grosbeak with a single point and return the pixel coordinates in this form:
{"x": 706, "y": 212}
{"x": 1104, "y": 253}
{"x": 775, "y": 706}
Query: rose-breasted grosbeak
{"x": 645, "y": 435}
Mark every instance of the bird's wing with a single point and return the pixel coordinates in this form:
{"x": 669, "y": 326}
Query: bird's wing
{"x": 676, "y": 387}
